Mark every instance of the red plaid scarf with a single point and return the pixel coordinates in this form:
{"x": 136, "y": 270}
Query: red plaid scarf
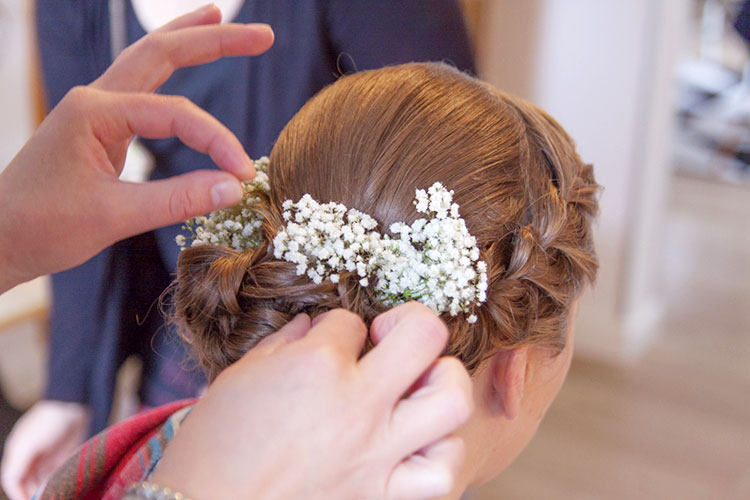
{"x": 126, "y": 453}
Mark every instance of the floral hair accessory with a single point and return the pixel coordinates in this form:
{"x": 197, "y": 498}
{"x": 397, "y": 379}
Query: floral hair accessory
{"x": 434, "y": 260}
{"x": 235, "y": 227}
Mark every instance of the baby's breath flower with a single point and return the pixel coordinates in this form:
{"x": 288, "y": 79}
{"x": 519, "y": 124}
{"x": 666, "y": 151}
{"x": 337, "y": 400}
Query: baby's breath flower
{"x": 234, "y": 227}
{"x": 435, "y": 260}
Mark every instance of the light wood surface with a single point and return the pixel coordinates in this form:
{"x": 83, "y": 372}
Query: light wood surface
{"x": 676, "y": 424}
{"x": 28, "y": 301}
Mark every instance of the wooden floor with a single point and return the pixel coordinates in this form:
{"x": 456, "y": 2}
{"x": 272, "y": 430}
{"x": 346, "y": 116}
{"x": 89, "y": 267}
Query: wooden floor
{"x": 677, "y": 424}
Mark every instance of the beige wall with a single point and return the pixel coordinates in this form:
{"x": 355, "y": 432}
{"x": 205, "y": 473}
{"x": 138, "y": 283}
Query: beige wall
{"x": 603, "y": 69}
{"x": 15, "y": 77}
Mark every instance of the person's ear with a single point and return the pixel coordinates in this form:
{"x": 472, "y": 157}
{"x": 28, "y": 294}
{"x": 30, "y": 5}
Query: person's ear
{"x": 508, "y": 379}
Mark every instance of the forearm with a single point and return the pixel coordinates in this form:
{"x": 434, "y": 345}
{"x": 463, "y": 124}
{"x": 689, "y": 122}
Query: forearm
{"x": 7, "y": 277}
{"x": 9, "y": 272}
{"x": 6, "y": 281}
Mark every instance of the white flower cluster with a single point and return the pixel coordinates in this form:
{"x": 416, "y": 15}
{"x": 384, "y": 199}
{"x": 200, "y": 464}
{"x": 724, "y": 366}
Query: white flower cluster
{"x": 325, "y": 239}
{"x": 235, "y": 227}
{"x": 434, "y": 260}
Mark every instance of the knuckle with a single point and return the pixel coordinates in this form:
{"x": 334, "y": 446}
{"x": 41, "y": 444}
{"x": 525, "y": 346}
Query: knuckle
{"x": 182, "y": 101}
{"x": 183, "y": 204}
{"x": 153, "y": 42}
{"x": 434, "y": 328}
{"x": 128, "y": 52}
{"x": 458, "y": 406}
{"x": 78, "y": 97}
{"x": 427, "y": 329}
{"x": 345, "y": 316}
{"x": 453, "y": 408}
{"x": 414, "y": 307}
{"x": 457, "y": 396}
{"x": 321, "y": 360}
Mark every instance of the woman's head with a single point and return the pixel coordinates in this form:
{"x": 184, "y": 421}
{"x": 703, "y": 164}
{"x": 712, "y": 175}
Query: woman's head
{"x": 368, "y": 141}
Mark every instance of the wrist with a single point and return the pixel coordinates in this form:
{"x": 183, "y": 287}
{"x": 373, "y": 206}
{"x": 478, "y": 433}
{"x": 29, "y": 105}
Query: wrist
{"x": 195, "y": 477}
{"x": 152, "y": 491}
{"x": 163, "y": 478}
{"x": 9, "y": 277}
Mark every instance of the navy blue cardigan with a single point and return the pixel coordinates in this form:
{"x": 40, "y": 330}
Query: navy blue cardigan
{"x": 98, "y": 308}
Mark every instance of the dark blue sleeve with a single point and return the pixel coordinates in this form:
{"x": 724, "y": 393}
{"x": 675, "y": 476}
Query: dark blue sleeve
{"x": 370, "y": 34}
{"x": 73, "y": 37}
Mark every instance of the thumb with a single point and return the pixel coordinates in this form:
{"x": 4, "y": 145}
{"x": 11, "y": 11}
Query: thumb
{"x": 433, "y": 473}
{"x": 294, "y": 330}
{"x": 147, "y": 206}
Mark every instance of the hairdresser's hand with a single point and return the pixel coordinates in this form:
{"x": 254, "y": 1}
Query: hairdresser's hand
{"x": 60, "y": 198}
{"x": 40, "y": 442}
{"x": 300, "y": 417}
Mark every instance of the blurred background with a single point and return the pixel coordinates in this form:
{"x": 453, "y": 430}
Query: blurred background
{"x": 657, "y": 95}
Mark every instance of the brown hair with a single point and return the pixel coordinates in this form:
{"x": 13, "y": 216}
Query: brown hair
{"x": 368, "y": 141}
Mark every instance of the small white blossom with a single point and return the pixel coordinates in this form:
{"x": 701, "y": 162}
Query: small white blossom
{"x": 434, "y": 260}
{"x": 235, "y": 227}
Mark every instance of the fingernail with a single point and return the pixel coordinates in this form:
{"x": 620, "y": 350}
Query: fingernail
{"x": 207, "y": 7}
{"x": 319, "y": 318}
{"x": 264, "y": 27}
{"x": 249, "y": 169}
{"x": 226, "y": 193}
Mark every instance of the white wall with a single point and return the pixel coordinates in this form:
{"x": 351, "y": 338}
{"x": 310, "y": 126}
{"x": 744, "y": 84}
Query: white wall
{"x": 603, "y": 69}
{"x": 16, "y": 118}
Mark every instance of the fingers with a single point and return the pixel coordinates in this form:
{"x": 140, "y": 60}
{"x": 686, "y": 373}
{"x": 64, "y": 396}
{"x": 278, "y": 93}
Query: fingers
{"x": 340, "y": 328}
{"x": 150, "y": 205}
{"x": 294, "y": 330}
{"x": 119, "y": 116}
{"x": 208, "y": 14}
{"x": 149, "y": 62}
{"x": 410, "y": 337}
{"x": 17, "y": 469}
{"x": 430, "y": 474}
{"x": 438, "y": 407}
{"x": 14, "y": 483}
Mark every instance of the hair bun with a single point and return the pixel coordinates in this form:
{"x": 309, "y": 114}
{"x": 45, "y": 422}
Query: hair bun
{"x": 206, "y": 303}
{"x": 225, "y": 301}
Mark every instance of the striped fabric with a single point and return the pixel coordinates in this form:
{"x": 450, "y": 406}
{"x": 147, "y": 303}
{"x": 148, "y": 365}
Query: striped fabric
{"x": 106, "y": 465}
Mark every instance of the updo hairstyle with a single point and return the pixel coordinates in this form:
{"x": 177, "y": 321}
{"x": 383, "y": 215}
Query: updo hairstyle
{"x": 368, "y": 141}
